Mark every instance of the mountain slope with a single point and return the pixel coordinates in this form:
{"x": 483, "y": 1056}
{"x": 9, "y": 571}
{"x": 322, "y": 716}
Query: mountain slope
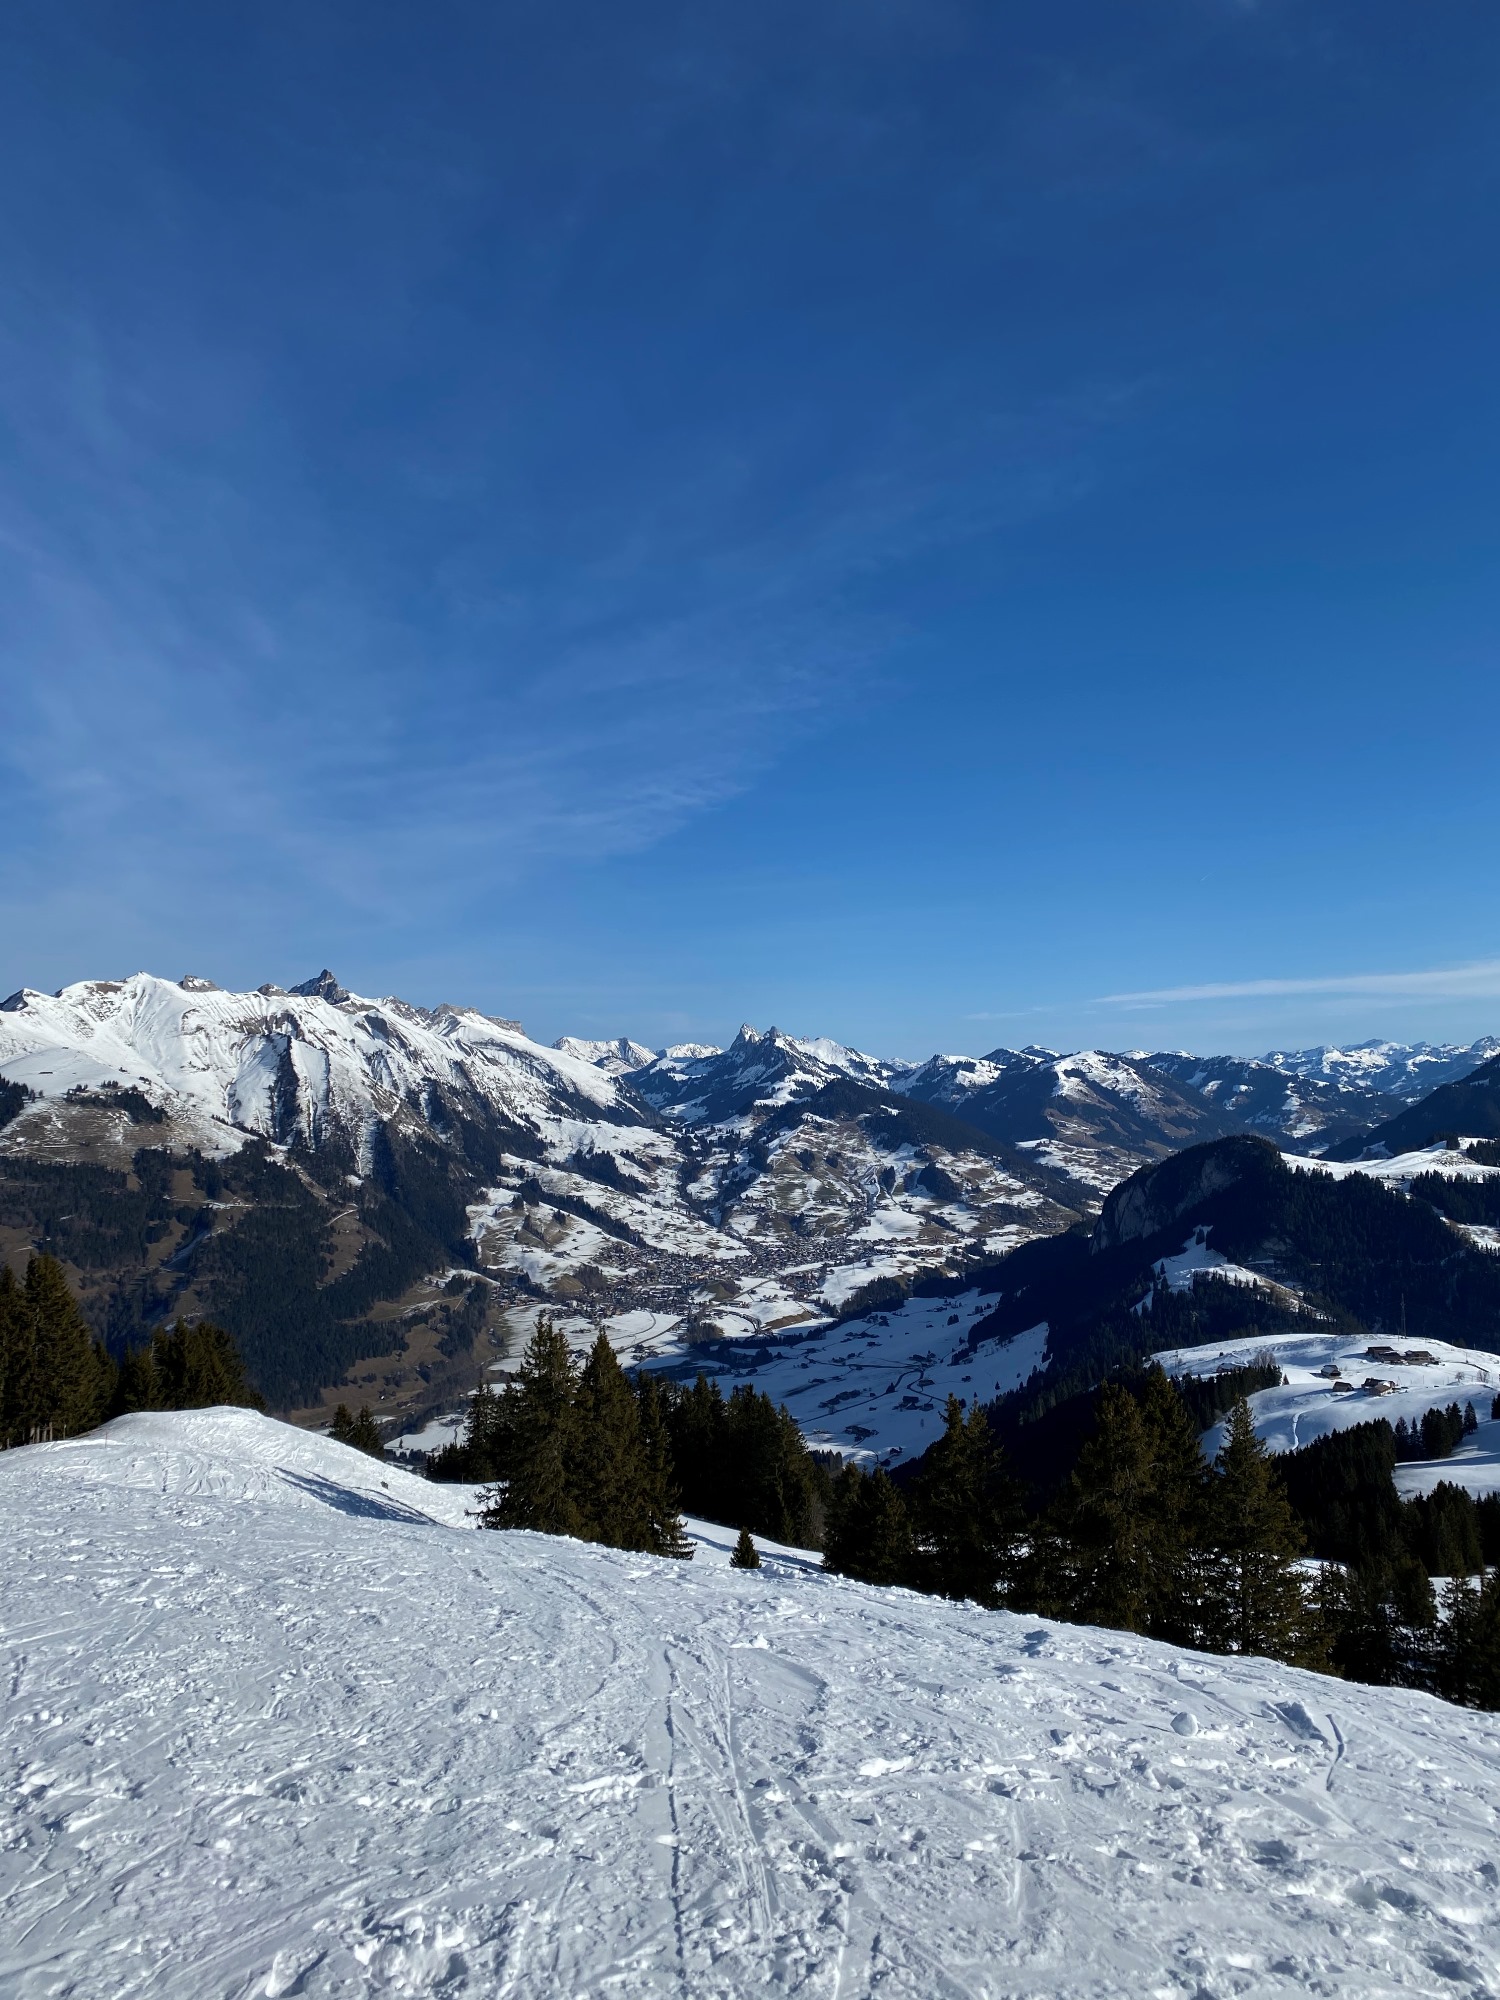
{"x": 381, "y": 1196}
{"x": 1403, "y": 1070}
{"x": 760, "y": 1071}
{"x": 1469, "y": 1108}
{"x": 1092, "y": 1116}
{"x": 526, "y": 1766}
{"x": 294, "y": 1067}
{"x": 1281, "y": 1104}
{"x": 1229, "y": 1241}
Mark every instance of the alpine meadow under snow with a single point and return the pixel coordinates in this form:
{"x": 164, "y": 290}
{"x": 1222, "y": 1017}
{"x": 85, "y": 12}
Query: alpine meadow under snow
{"x": 279, "y": 1721}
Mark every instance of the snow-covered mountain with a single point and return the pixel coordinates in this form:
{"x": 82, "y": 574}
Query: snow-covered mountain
{"x": 760, "y": 1071}
{"x": 1403, "y": 1070}
{"x": 616, "y": 1058}
{"x": 1098, "y": 1115}
{"x": 280, "y": 1722}
{"x": 695, "y": 1196}
{"x": 304, "y": 1066}
{"x": 1093, "y": 1116}
{"x": 1470, "y": 1106}
{"x": 1285, "y": 1105}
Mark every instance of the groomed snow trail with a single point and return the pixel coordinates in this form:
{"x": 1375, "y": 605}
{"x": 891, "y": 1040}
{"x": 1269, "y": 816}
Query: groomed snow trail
{"x": 277, "y": 1723}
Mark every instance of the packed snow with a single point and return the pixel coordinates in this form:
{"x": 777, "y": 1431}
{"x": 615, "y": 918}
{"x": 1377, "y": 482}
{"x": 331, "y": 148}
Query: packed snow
{"x": 278, "y": 1721}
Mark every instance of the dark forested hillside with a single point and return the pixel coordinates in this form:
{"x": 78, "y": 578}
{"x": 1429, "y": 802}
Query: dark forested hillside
{"x": 282, "y": 1251}
{"x": 1349, "y": 1250}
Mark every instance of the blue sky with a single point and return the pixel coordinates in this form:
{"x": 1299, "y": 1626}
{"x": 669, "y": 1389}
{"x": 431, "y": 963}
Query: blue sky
{"x": 938, "y": 524}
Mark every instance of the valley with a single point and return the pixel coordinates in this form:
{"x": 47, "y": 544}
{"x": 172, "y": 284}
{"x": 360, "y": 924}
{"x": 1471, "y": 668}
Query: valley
{"x": 378, "y": 1199}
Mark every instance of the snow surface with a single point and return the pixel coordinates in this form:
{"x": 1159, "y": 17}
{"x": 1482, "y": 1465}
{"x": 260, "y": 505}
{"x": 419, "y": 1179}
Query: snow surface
{"x": 271, "y": 1728}
{"x": 212, "y": 1059}
{"x": 875, "y": 1388}
{"x": 1308, "y": 1406}
{"x": 1404, "y": 1070}
{"x": 1197, "y": 1258}
{"x": 1400, "y": 1168}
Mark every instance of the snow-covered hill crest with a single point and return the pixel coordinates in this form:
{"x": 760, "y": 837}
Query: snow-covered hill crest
{"x": 271, "y": 1731}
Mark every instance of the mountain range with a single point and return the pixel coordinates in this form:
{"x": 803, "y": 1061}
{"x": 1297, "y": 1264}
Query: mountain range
{"x": 362, "y": 1184}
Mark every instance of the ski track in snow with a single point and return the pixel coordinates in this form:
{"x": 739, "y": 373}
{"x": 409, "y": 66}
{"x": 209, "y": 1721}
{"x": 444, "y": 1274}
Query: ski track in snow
{"x": 270, "y": 1729}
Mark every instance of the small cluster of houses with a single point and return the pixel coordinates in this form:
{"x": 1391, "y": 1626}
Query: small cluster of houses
{"x": 1389, "y": 1357}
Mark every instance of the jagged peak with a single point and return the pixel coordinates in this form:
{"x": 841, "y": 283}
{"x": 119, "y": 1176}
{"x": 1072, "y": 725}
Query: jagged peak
{"x": 324, "y": 987}
{"x": 190, "y": 982}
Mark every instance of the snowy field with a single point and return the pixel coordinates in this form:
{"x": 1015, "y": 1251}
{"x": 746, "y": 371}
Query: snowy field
{"x": 1309, "y": 1406}
{"x": 874, "y": 1388}
{"x": 871, "y": 1389}
{"x": 275, "y": 1722}
{"x": 1401, "y": 1168}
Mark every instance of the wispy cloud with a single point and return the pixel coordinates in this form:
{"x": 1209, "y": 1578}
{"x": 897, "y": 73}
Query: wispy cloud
{"x": 1479, "y": 980}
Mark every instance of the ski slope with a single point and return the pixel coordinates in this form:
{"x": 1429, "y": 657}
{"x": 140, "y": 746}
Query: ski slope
{"x": 277, "y": 1722}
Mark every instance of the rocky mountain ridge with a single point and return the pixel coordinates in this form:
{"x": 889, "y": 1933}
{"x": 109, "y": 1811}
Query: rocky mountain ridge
{"x": 443, "y": 1174}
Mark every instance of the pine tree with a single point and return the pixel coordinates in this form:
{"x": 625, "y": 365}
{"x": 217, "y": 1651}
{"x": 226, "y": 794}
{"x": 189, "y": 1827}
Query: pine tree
{"x": 869, "y": 1533}
{"x": 965, "y": 1511}
{"x": 746, "y": 1554}
{"x": 697, "y": 1423}
{"x": 60, "y": 1374}
{"x": 364, "y": 1434}
{"x": 768, "y": 1480}
{"x": 1380, "y": 1618}
{"x": 664, "y": 1533}
{"x": 1103, "y": 1522}
{"x": 136, "y": 1384}
{"x": 1469, "y": 1646}
{"x": 198, "y": 1367}
{"x": 18, "y": 1391}
{"x": 1255, "y": 1601}
{"x": 483, "y": 1452}
{"x": 1175, "y": 1512}
{"x": 609, "y": 1463}
{"x": 542, "y": 1425}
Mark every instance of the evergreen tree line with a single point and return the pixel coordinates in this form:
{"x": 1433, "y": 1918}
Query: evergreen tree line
{"x": 580, "y": 1452}
{"x": 1209, "y": 1397}
{"x": 739, "y": 1459}
{"x": 362, "y": 1431}
{"x": 1436, "y": 1433}
{"x": 1387, "y": 1625}
{"x": 1145, "y": 1536}
{"x": 58, "y": 1380}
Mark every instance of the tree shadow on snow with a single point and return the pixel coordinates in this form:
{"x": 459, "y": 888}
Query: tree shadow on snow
{"x": 365, "y": 1505}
